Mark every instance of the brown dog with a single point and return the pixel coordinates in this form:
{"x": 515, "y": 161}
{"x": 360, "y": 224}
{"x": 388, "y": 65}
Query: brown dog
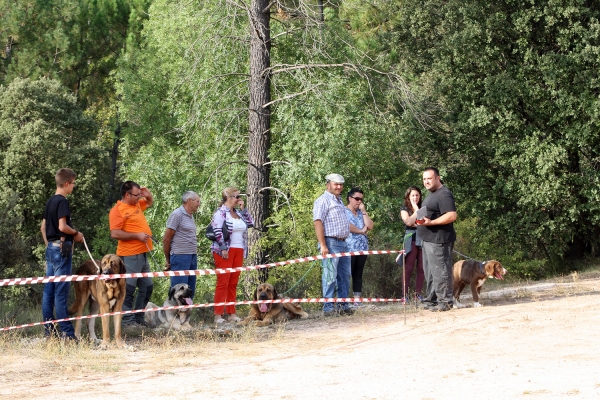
{"x": 103, "y": 296}
{"x": 474, "y": 274}
{"x": 268, "y": 313}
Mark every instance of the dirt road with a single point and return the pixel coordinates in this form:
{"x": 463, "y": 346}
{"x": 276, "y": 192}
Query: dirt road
{"x": 533, "y": 346}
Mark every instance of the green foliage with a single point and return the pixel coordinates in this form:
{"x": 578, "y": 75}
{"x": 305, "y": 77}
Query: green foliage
{"x": 481, "y": 243}
{"x": 503, "y": 98}
{"x": 41, "y": 130}
{"x": 14, "y": 255}
{"x": 185, "y": 97}
{"x": 518, "y": 139}
{"x": 75, "y": 42}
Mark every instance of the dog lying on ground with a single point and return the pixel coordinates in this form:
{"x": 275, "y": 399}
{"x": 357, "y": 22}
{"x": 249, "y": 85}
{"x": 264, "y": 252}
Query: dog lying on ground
{"x": 179, "y": 295}
{"x": 103, "y": 296}
{"x": 268, "y": 313}
{"x": 473, "y": 273}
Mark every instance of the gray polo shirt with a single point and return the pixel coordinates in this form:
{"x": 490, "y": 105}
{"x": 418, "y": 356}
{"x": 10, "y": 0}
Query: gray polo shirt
{"x": 185, "y": 240}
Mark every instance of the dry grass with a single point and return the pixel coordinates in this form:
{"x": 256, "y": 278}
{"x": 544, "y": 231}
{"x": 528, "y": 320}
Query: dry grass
{"x": 206, "y": 339}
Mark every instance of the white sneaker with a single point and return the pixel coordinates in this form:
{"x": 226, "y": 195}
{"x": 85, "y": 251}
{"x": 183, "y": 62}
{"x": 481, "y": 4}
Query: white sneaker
{"x": 234, "y": 318}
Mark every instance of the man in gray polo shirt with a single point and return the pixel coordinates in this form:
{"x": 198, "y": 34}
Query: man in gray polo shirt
{"x": 180, "y": 241}
{"x": 332, "y": 228}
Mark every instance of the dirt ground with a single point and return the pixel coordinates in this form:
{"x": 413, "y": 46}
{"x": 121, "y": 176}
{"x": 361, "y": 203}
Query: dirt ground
{"x": 539, "y": 341}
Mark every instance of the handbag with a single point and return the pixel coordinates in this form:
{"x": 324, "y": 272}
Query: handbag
{"x": 210, "y": 233}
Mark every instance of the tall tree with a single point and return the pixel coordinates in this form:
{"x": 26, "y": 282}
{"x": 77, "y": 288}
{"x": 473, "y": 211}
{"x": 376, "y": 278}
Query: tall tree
{"x": 259, "y": 132}
{"x": 236, "y": 95}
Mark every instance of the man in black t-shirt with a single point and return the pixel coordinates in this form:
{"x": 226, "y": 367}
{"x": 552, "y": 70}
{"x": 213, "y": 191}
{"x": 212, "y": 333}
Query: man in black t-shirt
{"x": 437, "y": 232}
{"x": 59, "y": 234}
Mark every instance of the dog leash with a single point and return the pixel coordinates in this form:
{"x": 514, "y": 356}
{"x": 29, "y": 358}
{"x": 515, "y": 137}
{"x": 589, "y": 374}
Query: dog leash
{"x": 90, "y": 254}
{"x": 301, "y": 279}
{"x": 150, "y": 251}
{"x": 481, "y": 263}
{"x": 465, "y": 256}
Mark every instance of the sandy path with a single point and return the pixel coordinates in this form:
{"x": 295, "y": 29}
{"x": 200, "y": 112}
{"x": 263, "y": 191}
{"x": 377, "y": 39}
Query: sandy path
{"x": 517, "y": 348}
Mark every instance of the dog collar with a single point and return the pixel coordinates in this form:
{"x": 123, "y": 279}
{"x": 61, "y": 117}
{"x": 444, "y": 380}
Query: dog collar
{"x": 481, "y": 267}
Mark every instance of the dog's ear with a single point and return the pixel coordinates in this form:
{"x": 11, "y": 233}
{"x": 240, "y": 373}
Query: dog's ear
{"x": 489, "y": 268}
{"x": 254, "y": 295}
{"x": 275, "y": 295}
{"x": 172, "y": 293}
{"x": 122, "y": 269}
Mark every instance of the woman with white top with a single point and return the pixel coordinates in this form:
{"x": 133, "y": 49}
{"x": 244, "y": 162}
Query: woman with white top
{"x": 229, "y": 250}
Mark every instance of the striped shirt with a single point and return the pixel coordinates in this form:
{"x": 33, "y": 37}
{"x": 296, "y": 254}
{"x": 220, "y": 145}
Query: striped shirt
{"x": 330, "y": 210}
{"x": 184, "y": 240}
{"x": 223, "y": 214}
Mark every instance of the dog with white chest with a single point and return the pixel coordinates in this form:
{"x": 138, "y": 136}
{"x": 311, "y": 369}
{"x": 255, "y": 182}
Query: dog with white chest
{"x": 179, "y": 295}
{"x": 103, "y": 296}
{"x": 474, "y": 274}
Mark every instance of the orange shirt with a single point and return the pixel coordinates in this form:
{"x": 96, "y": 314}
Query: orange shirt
{"x": 131, "y": 219}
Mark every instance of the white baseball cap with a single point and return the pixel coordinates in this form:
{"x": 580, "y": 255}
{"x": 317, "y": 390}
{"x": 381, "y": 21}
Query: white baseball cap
{"x": 335, "y": 178}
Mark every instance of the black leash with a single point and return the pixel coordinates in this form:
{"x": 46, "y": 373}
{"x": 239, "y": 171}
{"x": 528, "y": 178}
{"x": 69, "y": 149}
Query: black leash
{"x": 481, "y": 263}
{"x": 465, "y": 256}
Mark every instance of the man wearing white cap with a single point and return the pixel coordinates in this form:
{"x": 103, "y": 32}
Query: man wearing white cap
{"x": 332, "y": 228}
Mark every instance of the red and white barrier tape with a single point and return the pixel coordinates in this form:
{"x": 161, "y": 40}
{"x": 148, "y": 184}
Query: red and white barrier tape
{"x": 77, "y": 278}
{"x": 205, "y": 305}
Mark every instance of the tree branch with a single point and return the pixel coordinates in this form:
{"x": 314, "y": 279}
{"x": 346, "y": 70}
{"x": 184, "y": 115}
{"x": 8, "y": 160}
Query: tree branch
{"x": 291, "y": 96}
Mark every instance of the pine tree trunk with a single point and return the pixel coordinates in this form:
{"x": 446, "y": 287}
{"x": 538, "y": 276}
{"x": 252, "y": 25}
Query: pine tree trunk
{"x": 113, "y": 195}
{"x": 259, "y": 121}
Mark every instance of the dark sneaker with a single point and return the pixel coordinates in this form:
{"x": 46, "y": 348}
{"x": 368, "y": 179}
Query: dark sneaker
{"x": 347, "y": 311}
{"x": 69, "y": 339}
{"x": 440, "y": 307}
{"x": 428, "y": 306}
{"x": 131, "y": 325}
{"x": 142, "y": 323}
{"x": 330, "y": 313}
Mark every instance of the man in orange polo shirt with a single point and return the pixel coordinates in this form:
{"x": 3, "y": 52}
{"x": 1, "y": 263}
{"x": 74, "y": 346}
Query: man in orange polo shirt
{"x": 129, "y": 226}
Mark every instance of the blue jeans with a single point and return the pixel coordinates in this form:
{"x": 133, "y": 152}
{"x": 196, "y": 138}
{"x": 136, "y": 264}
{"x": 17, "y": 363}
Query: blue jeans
{"x": 56, "y": 294}
{"x": 335, "y": 270}
{"x": 184, "y": 262}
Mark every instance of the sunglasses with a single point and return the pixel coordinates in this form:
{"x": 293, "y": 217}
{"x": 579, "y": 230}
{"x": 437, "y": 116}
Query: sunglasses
{"x": 237, "y": 197}
{"x": 357, "y": 198}
{"x": 135, "y": 195}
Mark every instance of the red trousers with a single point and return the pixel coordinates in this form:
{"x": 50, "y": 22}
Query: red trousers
{"x": 226, "y": 289}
